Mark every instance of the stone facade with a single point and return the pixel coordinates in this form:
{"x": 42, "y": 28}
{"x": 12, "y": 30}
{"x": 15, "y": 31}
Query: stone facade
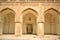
{"x": 15, "y": 16}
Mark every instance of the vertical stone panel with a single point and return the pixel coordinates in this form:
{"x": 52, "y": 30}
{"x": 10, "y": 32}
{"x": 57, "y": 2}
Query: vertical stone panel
{"x": 1, "y": 25}
{"x": 40, "y": 29}
{"x": 18, "y": 29}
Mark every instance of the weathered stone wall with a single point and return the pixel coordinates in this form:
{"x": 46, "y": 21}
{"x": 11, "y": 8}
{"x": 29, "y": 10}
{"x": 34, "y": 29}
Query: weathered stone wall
{"x": 39, "y": 7}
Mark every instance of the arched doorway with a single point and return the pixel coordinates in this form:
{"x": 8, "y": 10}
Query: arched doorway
{"x": 8, "y": 21}
{"x": 51, "y": 21}
{"x": 29, "y": 25}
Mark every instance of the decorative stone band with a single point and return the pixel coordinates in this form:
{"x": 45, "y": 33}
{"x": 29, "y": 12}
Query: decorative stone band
{"x": 18, "y": 22}
{"x": 41, "y": 22}
{"x": 49, "y": 1}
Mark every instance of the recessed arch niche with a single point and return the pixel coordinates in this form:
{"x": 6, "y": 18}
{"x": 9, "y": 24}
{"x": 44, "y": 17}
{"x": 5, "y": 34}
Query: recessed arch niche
{"x": 51, "y": 21}
{"x": 29, "y": 21}
{"x": 7, "y": 17}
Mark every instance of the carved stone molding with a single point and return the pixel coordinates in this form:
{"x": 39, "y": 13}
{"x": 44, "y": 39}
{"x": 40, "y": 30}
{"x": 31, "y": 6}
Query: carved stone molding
{"x": 18, "y": 22}
{"x": 41, "y": 22}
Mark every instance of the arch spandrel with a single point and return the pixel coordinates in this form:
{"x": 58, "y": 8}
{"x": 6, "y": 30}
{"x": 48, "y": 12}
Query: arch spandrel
{"x": 51, "y": 9}
{"x": 7, "y": 10}
{"x": 34, "y": 12}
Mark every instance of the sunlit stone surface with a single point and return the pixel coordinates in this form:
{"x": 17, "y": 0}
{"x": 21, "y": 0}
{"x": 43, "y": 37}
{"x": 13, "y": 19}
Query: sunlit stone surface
{"x": 29, "y": 37}
{"x": 29, "y": 19}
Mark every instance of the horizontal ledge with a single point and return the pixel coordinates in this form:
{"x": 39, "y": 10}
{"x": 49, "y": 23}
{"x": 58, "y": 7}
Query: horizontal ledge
{"x": 29, "y": 2}
{"x": 18, "y": 22}
{"x": 40, "y": 22}
{"x": 50, "y": 33}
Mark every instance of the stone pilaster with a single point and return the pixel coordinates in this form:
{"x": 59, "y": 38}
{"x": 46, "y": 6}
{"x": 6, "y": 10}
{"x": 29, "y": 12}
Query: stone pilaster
{"x": 18, "y": 28}
{"x": 1, "y": 25}
{"x": 40, "y": 30}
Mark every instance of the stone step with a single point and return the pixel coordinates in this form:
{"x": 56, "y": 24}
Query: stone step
{"x": 28, "y": 39}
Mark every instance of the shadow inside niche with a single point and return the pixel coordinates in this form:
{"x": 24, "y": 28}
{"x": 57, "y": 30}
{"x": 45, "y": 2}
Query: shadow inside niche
{"x": 58, "y": 38}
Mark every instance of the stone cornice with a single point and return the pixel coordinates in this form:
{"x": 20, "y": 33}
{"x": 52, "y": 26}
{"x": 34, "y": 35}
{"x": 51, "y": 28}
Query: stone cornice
{"x": 38, "y": 1}
{"x": 28, "y": 4}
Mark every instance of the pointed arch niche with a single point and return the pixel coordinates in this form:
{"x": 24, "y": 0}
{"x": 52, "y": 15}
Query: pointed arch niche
{"x": 29, "y": 21}
{"x": 51, "y": 21}
{"x": 7, "y": 21}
